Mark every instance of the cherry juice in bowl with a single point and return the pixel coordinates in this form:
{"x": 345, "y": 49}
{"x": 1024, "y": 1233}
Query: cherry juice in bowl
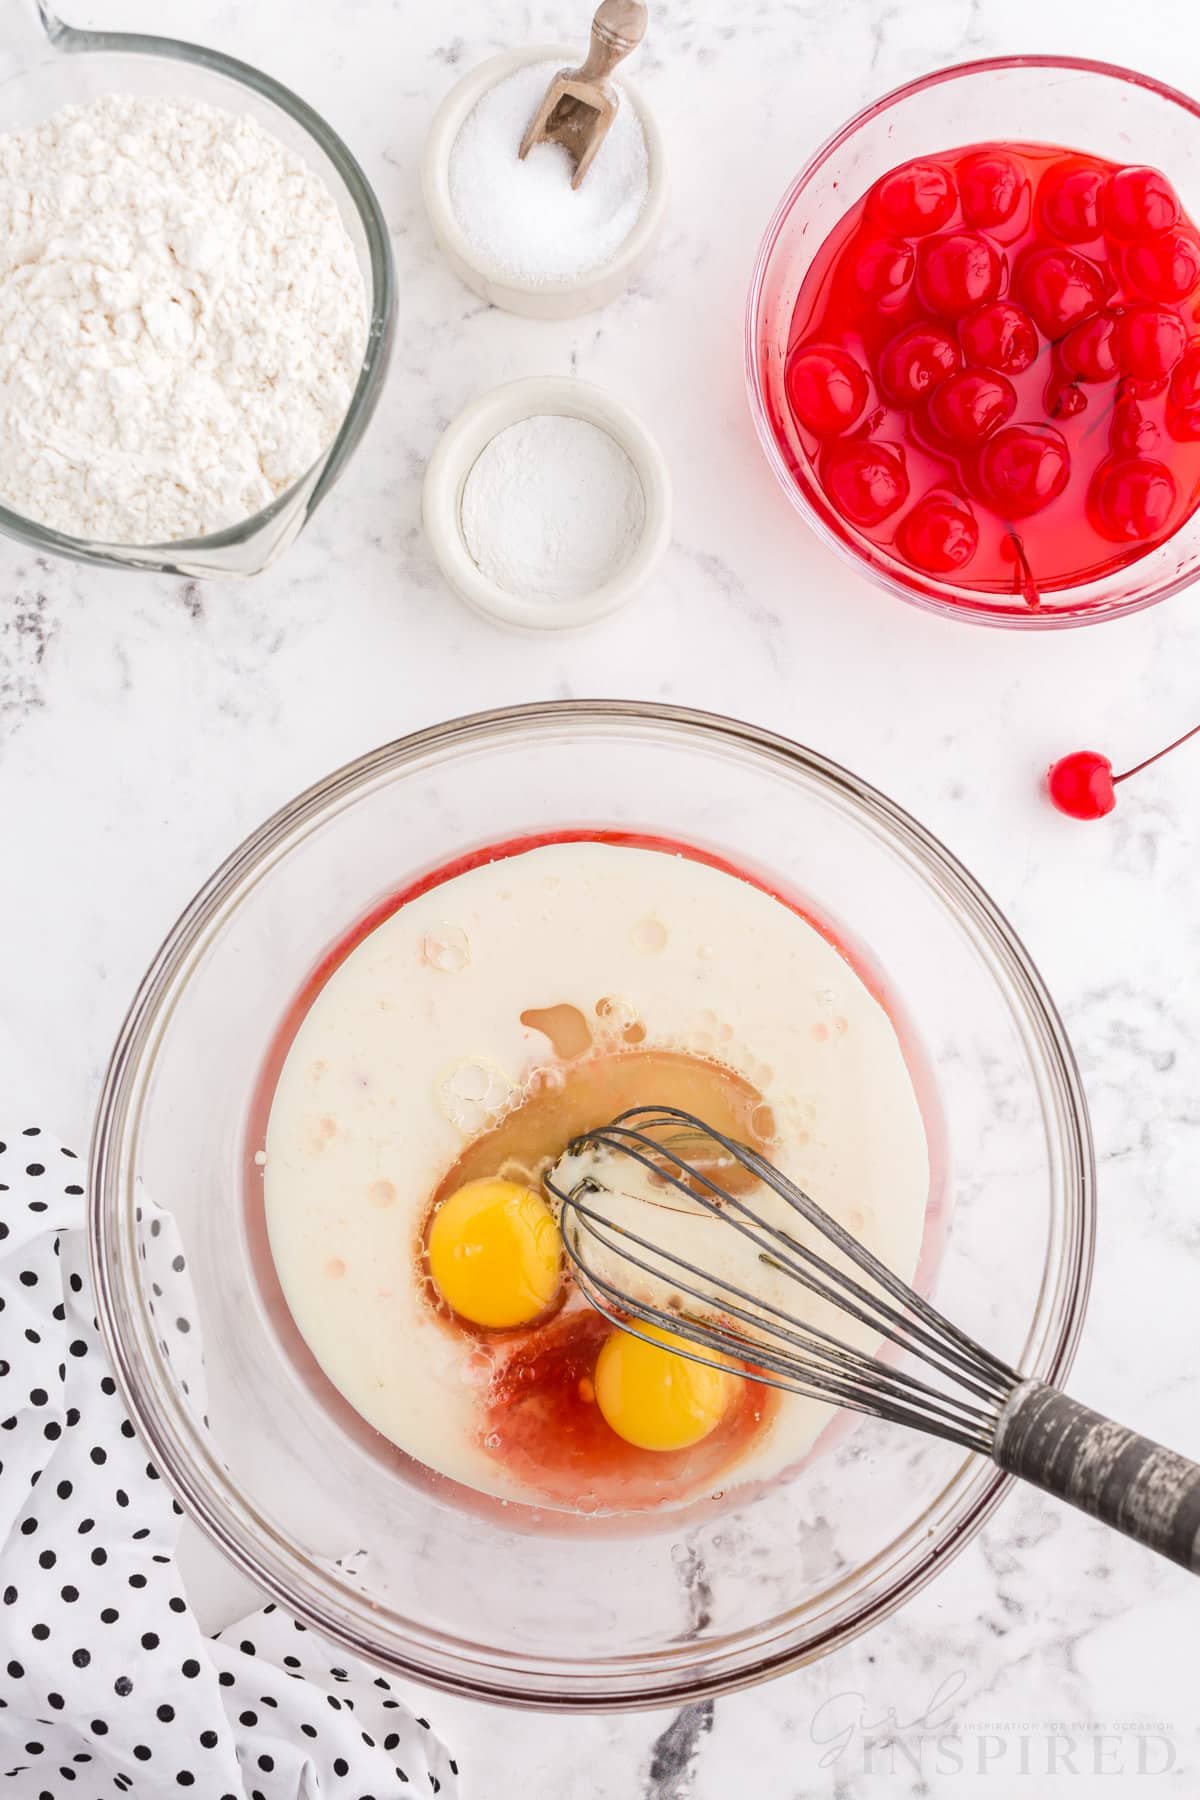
{"x": 981, "y": 376}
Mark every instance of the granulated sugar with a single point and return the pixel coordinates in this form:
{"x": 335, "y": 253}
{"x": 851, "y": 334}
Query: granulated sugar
{"x": 525, "y": 217}
{"x": 552, "y": 509}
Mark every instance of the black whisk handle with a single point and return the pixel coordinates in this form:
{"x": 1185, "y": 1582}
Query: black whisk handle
{"x": 1129, "y": 1482}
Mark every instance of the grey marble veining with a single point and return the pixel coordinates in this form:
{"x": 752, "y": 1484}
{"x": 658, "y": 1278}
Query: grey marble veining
{"x": 146, "y": 724}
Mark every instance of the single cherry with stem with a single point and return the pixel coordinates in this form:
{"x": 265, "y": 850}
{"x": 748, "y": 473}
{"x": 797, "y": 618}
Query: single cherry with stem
{"x": 1083, "y": 785}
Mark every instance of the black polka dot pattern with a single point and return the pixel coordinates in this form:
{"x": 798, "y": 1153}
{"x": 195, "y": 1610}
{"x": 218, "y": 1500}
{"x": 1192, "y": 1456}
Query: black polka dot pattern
{"x": 95, "y": 1628}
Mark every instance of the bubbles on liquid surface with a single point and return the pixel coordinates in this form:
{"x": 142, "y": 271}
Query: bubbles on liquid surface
{"x": 446, "y": 947}
{"x": 546, "y": 1079}
{"x": 650, "y": 936}
{"x": 474, "y": 1094}
{"x": 619, "y": 1019}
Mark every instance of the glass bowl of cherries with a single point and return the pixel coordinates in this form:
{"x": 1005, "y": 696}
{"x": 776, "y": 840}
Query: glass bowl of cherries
{"x": 973, "y": 341}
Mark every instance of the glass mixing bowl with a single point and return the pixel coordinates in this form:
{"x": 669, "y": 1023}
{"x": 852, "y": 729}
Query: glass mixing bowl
{"x": 508, "y": 1603}
{"x": 1081, "y": 105}
{"x": 50, "y": 65}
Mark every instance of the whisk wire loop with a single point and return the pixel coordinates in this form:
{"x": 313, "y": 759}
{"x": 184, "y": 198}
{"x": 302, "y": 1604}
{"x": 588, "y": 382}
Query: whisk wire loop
{"x": 1029, "y": 1428}
{"x": 831, "y": 1363}
{"x": 928, "y": 1335}
{"x": 821, "y": 1381}
{"x": 829, "y": 1227}
{"x": 754, "y": 1331}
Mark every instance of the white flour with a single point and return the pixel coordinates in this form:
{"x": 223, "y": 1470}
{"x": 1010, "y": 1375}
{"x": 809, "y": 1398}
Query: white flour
{"x": 525, "y": 217}
{"x": 182, "y": 320}
{"x": 552, "y": 508}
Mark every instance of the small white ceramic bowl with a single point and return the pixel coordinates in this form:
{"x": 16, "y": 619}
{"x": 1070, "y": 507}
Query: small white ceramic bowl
{"x": 541, "y": 299}
{"x": 458, "y": 450}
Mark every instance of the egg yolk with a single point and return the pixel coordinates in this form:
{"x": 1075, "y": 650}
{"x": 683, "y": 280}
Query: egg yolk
{"x": 653, "y": 1397}
{"x": 495, "y": 1253}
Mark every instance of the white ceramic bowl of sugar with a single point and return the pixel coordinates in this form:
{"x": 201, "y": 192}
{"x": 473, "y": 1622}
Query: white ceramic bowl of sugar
{"x": 545, "y": 296}
{"x": 481, "y": 425}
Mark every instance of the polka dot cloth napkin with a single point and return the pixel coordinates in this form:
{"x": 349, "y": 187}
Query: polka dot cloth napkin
{"x": 107, "y": 1685}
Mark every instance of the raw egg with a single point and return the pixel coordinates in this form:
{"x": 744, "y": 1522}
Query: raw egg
{"x": 495, "y": 1253}
{"x": 655, "y": 1398}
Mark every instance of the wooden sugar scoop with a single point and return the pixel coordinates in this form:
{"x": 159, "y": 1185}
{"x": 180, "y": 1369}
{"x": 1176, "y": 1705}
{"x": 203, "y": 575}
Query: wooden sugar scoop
{"x": 580, "y": 104}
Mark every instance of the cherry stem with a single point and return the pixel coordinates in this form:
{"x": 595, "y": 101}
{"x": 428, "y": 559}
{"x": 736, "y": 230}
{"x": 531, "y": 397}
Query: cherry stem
{"x": 1165, "y": 751}
{"x": 1028, "y": 586}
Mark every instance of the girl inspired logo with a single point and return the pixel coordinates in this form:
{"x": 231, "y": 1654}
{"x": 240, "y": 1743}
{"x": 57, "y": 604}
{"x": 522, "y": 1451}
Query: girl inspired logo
{"x": 884, "y": 1743}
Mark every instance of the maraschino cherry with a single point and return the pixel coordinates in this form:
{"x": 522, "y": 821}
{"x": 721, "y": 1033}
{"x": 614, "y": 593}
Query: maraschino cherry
{"x": 1083, "y": 785}
{"x": 992, "y": 370}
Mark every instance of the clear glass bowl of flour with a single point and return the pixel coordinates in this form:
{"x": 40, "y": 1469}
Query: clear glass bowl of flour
{"x": 48, "y": 65}
{"x": 516, "y": 1603}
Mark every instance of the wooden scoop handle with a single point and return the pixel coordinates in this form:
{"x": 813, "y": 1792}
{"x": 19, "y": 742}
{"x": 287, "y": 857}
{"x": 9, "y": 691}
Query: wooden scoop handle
{"x": 618, "y": 27}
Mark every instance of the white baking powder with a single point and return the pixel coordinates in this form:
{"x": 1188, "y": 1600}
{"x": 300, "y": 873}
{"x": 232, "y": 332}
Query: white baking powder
{"x": 552, "y": 509}
{"x": 525, "y": 217}
{"x": 182, "y": 320}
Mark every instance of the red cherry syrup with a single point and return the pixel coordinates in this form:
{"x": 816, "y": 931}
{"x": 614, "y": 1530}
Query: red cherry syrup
{"x": 993, "y": 367}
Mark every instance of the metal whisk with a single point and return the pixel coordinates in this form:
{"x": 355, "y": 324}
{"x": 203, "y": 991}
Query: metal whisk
{"x": 614, "y": 1184}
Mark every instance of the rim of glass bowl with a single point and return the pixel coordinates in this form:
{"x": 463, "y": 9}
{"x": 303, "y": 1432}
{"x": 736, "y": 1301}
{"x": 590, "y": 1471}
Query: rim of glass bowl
{"x": 67, "y": 40}
{"x": 319, "y": 1595}
{"x": 797, "y": 483}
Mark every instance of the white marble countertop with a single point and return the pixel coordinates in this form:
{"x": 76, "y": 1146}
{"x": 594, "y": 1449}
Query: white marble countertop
{"x": 146, "y": 725}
